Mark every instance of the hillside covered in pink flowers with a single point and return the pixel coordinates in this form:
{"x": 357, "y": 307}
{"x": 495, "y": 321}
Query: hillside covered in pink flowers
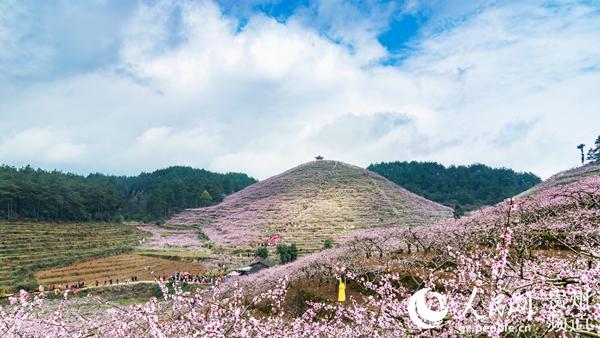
{"x": 565, "y": 177}
{"x": 310, "y": 203}
{"x": 529, "y": 264}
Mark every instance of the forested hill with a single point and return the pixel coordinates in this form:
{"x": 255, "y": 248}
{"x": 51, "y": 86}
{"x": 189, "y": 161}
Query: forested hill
{"x": 467, "y": 187}
{"x": 54, "y": 195}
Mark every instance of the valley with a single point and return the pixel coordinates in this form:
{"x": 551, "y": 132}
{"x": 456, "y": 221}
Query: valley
{"x": 308, "y": 205}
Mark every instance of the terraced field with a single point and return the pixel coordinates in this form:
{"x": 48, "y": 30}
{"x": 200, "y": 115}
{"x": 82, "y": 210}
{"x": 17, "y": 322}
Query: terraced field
{"x": 116, "y": 267}
{"x": 29, "y": 247}
{"x": 308, "y": 204}
{"x": 564, "y": 178}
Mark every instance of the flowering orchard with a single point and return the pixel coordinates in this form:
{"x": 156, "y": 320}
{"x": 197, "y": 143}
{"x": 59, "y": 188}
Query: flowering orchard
{"x": 528, "y": 267}
{"x": 170, "y": 239}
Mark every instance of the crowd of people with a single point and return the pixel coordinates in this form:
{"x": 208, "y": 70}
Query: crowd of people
{"x": 81, "y": 284}
{"x": 53, "y": 287}
{"x": 183, "y": 277}
{"x": 110, "y": 281}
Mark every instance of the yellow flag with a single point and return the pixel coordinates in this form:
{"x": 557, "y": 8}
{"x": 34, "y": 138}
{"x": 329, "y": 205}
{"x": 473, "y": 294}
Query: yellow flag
{"x": 342, "y": 291}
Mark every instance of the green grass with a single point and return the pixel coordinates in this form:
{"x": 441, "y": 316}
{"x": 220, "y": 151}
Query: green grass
{"x": 28, "y": 247}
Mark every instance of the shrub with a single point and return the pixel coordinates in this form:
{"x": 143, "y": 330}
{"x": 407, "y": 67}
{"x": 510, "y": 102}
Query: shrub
{"x": 328, "y": 243}
{"x": 4, "y": 292}
{"x": 118, "y": 219}
{"x": 287, "y": 253}
{"x": 458, "y": 211}
{"x": 294, "y": 252}
{"x": 202, "y": 236}
{"x": 262, "y": 252}
{"x": 156, "y": 291}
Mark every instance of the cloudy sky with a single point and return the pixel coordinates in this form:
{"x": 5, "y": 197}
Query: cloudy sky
{"x": 127, "y": 86}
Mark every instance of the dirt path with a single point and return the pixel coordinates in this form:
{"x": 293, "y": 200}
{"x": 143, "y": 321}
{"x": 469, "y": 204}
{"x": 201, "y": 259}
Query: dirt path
{"x": 386, "y": 198}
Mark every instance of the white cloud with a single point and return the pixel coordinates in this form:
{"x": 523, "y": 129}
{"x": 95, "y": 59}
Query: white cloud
{"x": 517, "y": 63}
{"x": 163, "y": 146}
{"x": 46, "y": 144}
{"x": 19, "y": 56}
{"x": 275, "y": 94}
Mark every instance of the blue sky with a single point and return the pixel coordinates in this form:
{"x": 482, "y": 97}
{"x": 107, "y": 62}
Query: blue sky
{"x": 260, "y": 86}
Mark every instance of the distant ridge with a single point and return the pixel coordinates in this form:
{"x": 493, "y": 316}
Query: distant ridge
{"x": 309, "y": 203}
{"x": 565, "y": 177}
{"x": 464, "y": 187}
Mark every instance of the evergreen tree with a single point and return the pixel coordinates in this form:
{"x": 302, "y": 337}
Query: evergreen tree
{"x": 458, "y": 211}
{"x": 287, "y": 253}
{"x": 56, "y": 196}
{"x": 580, "y": 147}
{"x": 284, "y": 253}
{"x": 293, "y": 252}
{"x": 206, "y": 197}
{"x": 468, "y": 186}
{"x": 262, "y": 252}
{"x": 594, "y": 153}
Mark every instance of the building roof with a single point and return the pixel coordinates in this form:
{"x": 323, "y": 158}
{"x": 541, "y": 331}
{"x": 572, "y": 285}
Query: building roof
{"x": 243, "y": 268}
{"x": 266, "y": 262}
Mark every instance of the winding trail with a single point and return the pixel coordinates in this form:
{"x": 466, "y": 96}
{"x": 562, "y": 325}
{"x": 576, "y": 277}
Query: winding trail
{"x": 386, "y": 197}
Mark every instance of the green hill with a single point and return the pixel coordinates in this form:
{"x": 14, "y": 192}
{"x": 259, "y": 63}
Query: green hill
{"x": 28, "y": 193}
{"x": 469, "y": 187}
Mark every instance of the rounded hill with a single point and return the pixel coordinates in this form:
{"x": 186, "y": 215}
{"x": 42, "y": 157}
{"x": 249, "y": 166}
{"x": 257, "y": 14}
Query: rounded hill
{"x": 310, "y": 203}
{"x": 564, "y": 178}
